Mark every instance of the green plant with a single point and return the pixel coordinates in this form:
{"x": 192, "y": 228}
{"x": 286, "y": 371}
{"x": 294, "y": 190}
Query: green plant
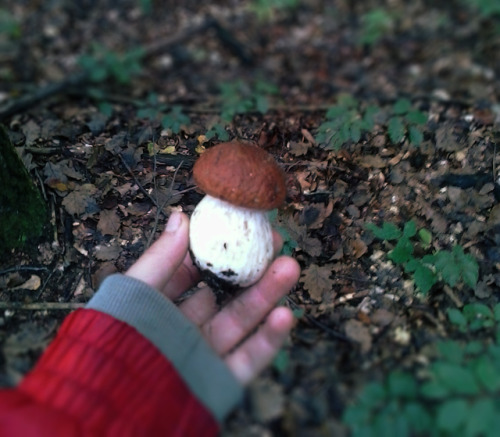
{"x": 345, "y": 122}
{"x": 265, "y": 10}
{"x": 217, "y": 130}
{"x": 9, "y": 25}
{"x": 487, "y": 8}
{"x": 289, "y": 244}
{"x": 174, "y": 119}
{"x": 458, "y": 394}
{"x": 375, "y": 24}
{"x": 239, "y": 97}
{"x": 406, "y": 122}
{"x": 450, "y": 266}
{"x": 171, "y": 117}
{"x": 474, "y": 316}
{"x": 102, "y": 64}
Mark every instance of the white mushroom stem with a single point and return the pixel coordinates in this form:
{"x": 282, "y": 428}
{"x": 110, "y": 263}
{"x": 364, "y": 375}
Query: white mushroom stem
{"x": 232, "y": 242}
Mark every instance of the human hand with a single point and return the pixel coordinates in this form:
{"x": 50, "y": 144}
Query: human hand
{"x": 167, "y": 267}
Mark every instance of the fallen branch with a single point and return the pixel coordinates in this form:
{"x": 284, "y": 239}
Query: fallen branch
{"x": 81, "y": 78}
{"x": 41, "y": 306}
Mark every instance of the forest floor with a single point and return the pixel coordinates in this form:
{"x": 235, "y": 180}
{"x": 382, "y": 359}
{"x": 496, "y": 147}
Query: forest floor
{"x": 385, "y": 117}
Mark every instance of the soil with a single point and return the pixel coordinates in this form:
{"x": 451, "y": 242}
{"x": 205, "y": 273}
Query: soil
{"x": 111, "y": 176}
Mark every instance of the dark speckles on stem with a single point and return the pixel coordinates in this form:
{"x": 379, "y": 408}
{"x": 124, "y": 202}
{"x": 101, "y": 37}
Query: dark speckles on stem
{"x": 225, "y": 246}
{"x": 228, "y": 273}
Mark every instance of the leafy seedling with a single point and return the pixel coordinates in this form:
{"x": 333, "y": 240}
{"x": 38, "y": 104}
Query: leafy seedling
{"x": 345, "y": 122}
{"x": 217, "y": 130}
{"x": 102, "y": 64}
{"x": 449, "y": 266}
{"x": 406, "y": 122}
{"x": 375, "y": 24}
{"x": 456, "y": 395}
{"x": 239, "y": 97}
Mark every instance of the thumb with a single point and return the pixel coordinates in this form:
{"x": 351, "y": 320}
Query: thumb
{"x": 156, "y": 266}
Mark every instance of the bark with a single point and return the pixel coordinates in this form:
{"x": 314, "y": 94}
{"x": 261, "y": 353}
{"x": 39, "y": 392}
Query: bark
{"x": 23, "y": 213}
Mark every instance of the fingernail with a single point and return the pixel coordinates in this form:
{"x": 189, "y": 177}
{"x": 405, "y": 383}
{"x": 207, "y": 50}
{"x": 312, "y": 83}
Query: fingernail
{"x": 174, "y": 222}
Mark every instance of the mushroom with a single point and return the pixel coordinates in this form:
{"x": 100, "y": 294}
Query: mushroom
{"x": 230, "y": 233}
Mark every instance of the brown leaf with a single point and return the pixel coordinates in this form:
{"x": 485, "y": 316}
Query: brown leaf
{"x": 317, "y": 280}
{"x": 298, "y": 234}
{"x": 80, "y": 200}
{"x": 109, "y": 222}
{"x": 372, "y": 161}
{"x": 323, "y": 212}
{"x": 448, "y": 140}
{"x": 298, "y": 148}
{"x": 33, "y": 283}
{"x": 357, "y": 247}
{"x": 107, "y": 253}
{"x": 358, "y": 332}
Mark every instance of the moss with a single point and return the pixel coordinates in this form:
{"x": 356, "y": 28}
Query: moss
{"x": 23, "y": 213}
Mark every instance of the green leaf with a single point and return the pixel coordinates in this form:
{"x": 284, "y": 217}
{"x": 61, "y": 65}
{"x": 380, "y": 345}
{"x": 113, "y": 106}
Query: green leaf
{"x": 416, "y": 117}
{"x": 424, "y": 278}
{"x": 477, "y": 310}
{"x": 451, "y": 415}
{"x": 410, "y": 229}
{"x": 396, "y": 130}
{"x": 402, "y": 106}
{"x": 459, "y": 379}
{"x": 355, "y": 132}
{"x": 388, "y": 231}
{"x": 457, "y": 318}
{"x": 373, "y": 394}
{"x": 402, "y": 385}
{"x": 434, "y": 390}
{"x": 415, "y": 135}
{"x": 452, "y": 351}
{"x": 402, "y": 252}
{"x": 480, "y": 416}
{"x": 446, "y": 265}
{"x": 487, "y": 373}
{"x": 496, "y": 312}
{"x": 425, "y": 236}
{"x": 418, "y": 417}
{"x": 468, "y": 266}
{"x": 281, "y": 361}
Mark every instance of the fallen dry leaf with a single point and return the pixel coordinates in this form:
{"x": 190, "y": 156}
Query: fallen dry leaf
{"x": 357, "y": 247}
{"x": 317, "y": 280}
{"x": 109, "y": 222}
{"x": 357, "y": 331}
{"x": 80, "y": 200}
{"x": 33, "y": 283}
{"x": 108, "y": 252}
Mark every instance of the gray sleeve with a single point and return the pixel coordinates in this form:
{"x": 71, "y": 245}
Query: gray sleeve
{"x": 180, "y": 341}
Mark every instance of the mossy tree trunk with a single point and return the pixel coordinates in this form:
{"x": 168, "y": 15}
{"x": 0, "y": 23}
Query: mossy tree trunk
{"x": 23, "y": 213}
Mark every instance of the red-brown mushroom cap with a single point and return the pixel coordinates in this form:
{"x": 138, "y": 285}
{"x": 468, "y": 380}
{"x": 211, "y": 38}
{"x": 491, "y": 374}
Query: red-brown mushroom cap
{"x": 241, "y": 174}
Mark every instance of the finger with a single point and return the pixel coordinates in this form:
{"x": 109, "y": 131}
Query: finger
{"x": 158, "y": 264}
{"x": 235, "y": 321}
{"x": 184, "y": 278}
{"x": 277, "y": 242}
{"x": 200, "y": 307}
{"x": 248, "y": 360}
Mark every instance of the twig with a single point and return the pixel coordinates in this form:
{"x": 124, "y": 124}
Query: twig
{"x": 23, "y": 268}
{"x": 317, "y": 323}
{"x": 40, "y": 306}
{"x": 155, "y": 203}
{"x": 27, "y": 101}
{"x": 81, "y": 78}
